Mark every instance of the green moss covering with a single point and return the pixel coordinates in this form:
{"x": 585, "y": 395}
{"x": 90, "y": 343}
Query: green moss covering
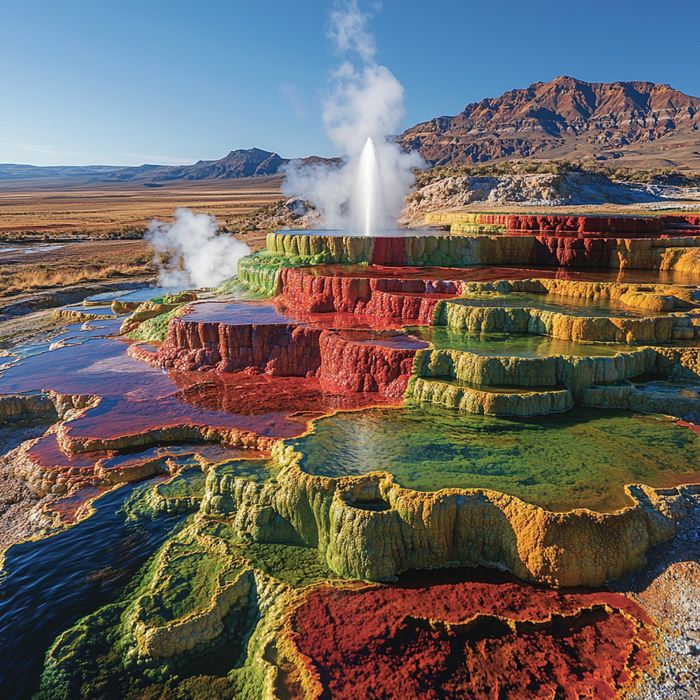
{"x": 238, "y": 289}
{"x": 98, "y": 658}
{"x": 187, "y": 484}
{"x": 178, "y": 298}
{"x": 155, "y": 329}
{"x": 184, "y": 585}
{"x": 260, "y": 272}
{"x": 297, "y": 566}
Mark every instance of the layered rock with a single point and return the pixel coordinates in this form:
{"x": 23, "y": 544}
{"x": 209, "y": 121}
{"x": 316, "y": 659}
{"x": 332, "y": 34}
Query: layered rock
{"x": 45, "y": 406}
{"x": 47, "y": 469}
{"x": 490, "y": 401}
{"x": 410, "y": 300}
{"x": 347, "y": 365}
{"x": 352, "y": 361}
{"x": 454, "y": 250}
{"x": 489, "y": 319}
{"x": 557, "y": 224}
{"x": 152, "y": 309}
{"x": 282, "y": 349}
{"x": 669, "y": 398}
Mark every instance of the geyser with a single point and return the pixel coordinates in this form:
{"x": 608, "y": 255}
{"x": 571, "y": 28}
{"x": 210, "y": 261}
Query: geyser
{"x": 367, "y": 206}
{"x": 367, "y": 192}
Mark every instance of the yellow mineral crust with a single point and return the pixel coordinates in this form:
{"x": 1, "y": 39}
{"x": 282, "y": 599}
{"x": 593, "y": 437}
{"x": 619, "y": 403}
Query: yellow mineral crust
{"x": 415, "y": 530}
{"x": 469, "y": 399}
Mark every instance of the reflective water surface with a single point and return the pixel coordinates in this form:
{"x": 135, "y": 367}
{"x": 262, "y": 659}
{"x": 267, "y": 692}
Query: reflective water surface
{"x": 579, "y": 459}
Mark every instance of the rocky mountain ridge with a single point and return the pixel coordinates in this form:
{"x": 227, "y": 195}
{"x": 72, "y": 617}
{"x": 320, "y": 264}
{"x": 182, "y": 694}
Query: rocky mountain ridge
{"x": 252, "y": 162}
{"x": 642, "y": 124}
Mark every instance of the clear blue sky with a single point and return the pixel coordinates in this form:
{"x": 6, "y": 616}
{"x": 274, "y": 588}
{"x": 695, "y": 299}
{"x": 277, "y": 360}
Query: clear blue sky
{"x": 174, "y": 81}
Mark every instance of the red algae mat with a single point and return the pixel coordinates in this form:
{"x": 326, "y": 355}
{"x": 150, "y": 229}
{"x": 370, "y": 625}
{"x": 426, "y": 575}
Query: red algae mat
{"x": 138, "y": 398}
{"x": 469, "y": 635}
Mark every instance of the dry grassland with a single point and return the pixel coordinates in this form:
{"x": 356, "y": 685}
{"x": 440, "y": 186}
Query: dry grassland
{"x": 72, "y": 263}
{"x": 60, "y": 210}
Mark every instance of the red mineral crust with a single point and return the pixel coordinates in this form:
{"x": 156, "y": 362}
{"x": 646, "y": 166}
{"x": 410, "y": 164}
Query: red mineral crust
{"x": 468, "y": 635}
{"x": 262, "y": 394}
{"x": 592, "y": 226}
{"x": 353, "y": 362}
{"x": 573, "y": 225}
{"x": 283, "y": 349}
{"x": 574, "y": 252}
{"x": 409, "y": 299}
{"x": 389, "y": 251}
{"x": 486, "y": 273}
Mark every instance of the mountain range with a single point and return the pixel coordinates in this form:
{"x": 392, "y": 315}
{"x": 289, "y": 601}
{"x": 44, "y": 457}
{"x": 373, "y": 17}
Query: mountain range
{"x": 635, "y": 124}
{"x": 253, "y": 162}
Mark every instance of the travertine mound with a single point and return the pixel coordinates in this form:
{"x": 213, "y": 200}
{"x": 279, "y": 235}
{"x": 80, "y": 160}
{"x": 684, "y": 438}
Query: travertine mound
{"x": 678, "y": 254}
{"x": 370, "y": 528}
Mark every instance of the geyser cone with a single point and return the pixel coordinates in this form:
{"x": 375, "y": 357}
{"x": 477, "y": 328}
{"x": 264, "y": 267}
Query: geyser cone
{"x": 367, "y": 207}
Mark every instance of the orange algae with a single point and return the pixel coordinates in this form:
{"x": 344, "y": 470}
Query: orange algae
{"x": 467, "y": 634}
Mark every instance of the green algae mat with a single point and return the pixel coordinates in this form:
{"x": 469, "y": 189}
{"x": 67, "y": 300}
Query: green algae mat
{"x": 579, "y": 459}
{"x": 511, "y": 344}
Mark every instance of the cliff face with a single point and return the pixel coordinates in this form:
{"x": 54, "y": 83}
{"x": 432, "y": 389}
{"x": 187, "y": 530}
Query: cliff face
{"x": 568, "y": 118}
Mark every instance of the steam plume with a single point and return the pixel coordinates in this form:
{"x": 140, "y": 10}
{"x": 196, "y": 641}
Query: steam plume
{"x": 198, "y": 257}
{"x": 366, "y": 100}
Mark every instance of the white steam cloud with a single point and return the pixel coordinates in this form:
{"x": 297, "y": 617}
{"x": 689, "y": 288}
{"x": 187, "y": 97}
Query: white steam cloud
{"x": 366, "y": 101}
{"x": 198, "y": 257}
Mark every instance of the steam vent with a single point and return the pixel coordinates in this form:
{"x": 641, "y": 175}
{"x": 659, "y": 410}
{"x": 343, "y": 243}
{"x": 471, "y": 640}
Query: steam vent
{"x": 410, "y": 465}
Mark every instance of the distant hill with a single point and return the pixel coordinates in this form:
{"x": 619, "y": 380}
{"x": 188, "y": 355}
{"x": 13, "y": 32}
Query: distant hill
{"x": 253, "y": 162}
{"x": 242, "y": 163}
{"x": 636, "y": 124}
{"x": 12, "y": 171}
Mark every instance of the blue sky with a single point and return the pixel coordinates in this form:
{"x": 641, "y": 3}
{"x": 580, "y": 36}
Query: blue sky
{"x": 174, "y": 81}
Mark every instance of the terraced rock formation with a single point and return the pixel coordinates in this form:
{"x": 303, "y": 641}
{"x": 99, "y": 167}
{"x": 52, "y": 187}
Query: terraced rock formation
{"x": 349, "y": 410}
